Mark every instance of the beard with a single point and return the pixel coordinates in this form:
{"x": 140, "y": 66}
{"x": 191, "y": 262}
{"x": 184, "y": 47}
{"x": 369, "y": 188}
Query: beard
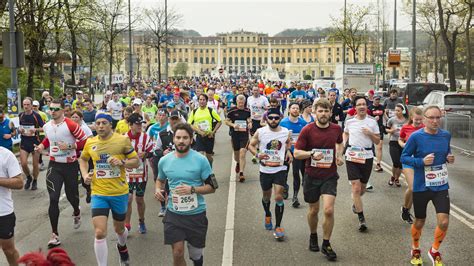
{"x": 272, "y": 125}
{"x": 323, "y": 120}
{"x": 183, "y": 148}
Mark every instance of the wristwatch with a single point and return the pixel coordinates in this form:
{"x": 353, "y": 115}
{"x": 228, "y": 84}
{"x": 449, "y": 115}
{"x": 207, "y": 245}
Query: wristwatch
{"x": 193, "y": 190}
{"x": 313, "y": 152}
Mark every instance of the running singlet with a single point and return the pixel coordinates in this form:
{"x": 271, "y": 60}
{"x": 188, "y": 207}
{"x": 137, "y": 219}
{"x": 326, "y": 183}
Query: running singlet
{"x": 360, "y": 144}
{"x": 68, "y": 132}
{"x": 108, "y": 180}
{"x": 28, "y": 123}
{"x": 150, "y": 112}
{"x": 257, "y": 106}
{"x": 141, "y": 144}
{"x": 272, "y": 144}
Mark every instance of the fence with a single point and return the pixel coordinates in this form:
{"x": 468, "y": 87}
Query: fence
{"x": 461, "y": 127}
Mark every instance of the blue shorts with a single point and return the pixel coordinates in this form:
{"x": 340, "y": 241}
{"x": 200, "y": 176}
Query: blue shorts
{"x": 100, "y": 206}
{"x": 405, "y": 166}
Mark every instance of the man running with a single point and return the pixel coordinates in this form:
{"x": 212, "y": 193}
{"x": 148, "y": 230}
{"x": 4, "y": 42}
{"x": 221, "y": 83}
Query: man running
{"x": 320, "y": 147}
{"x": 361, "y": 132}
{"x": 111, "y": 153}
{"x": 31, "y": 124}
{"x": 257, "y": 105}
{"x": 271, "y": 144}
{"x": 115, "y": 107}
{"x": 189, "y": 176}
{"x": 63, "y": 138}
{"x": 137, "y": 177}
{"x": 378, "y": 112}
{"x": 428, "y": 152}
{"x": 239, "y": 121}
{"x": 10, "y": 178}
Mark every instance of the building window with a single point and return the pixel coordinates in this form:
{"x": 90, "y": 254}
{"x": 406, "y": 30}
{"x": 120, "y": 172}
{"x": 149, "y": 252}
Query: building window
{"x": 329, "y": 60}
{"x": 230, "y": 61}
{"x": 289, "y": 51}
{"x": 186, "y": 60}
{"x": 329, "y": 49}
{"x": 200, "y": 51}
{"x": 297, "y": 60}
{"x": 248, "y": 39}
{"x": 288, "y": 60}
{"x": 248, "y": 50}
{"x": 310, "y": 50}
{"x": 180, "y": 50}
{"x": 304, "y": 60}
{"x": 195, "y": 50}
{"x": 242, "y": 39}
{"x": 337, "y": 60}
{"x": 248, "y": 60}
{"x": 322, "y": 73}
{"x": 242, "y": 61}
{"x": 277, "y": 51}
{"x": 201, "y": 60}
{"x": 224, "y": 60}
{"x": 266, "y": 60}
{"x": 236, "y": 60}
{"x": 304, "y": 50}
{"x": 242, "y": 50}
{"x": 337, "y": 49}
{"x": 254, "y": 48}
{"x": 174, "y": 60}
{"x": 213, "y": 60}
{"x": 186, "y": 50}
{"x": 254, "y": 61}
{"x": 259, "y": 60}
{"x": 236, "y": 50}
{"x": 298, "y": 50}
{"x": 174, "y": 50}
{"x": 207, "y": 50}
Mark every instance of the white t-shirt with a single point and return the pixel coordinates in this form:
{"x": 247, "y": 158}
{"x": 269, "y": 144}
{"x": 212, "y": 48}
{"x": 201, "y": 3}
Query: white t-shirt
{"x": 86, "y": 129}
{"x": 356, "y": 137}
{"x": 9, "y": 167}
{"x": 116, "y": 109}
{"x": 257, "y": 106}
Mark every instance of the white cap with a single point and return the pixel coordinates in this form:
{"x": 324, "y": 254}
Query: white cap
{"x": 36, "y": 103}
{"x": 108, "y": 93}
{"x": 137, "y": 101}
{"x": 79, "y": 92}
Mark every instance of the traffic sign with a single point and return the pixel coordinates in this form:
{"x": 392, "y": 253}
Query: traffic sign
{"x": 378, "y": 68}
{"x": 394, "y": 56}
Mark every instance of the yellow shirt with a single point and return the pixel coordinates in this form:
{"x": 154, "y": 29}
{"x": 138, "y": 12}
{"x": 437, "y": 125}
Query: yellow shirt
{"x": 202, "y": 118}
{"x": 122, "y": 127}
{"x": 108, "y": 180}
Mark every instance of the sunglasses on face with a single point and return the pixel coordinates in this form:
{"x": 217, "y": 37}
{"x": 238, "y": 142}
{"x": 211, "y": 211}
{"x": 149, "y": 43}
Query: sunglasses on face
{"x": 273, "y": 118}
{"x": 55, "y": 109}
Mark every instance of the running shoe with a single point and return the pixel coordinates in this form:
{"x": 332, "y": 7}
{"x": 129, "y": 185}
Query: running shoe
{"x": 34, "y": 184}
{"x": 362, "y": 225}
{"x": 378, "y": 168}
{"x": 313, "y": 243}
{"x": 142, "y": 228}
{"x": 279, "y": 233}
{"x": 237, "y": 168}
{"x": 295, "y": 202}
{"x": 128, "y": 226}
{"x": 391, "y": 181}
{"x": 268, "y": 223}
{"x": 254, "y": 160}
{"x": 241, "y": 178}
{"x": 435, "y": 257}
{"x": 397, "y": 183}
{"x": 406, "y": 215}
{"x": 42, "y": 167}
{"x": 369, "y": 187}
{"x": 28, "y": 182}
{"x": 54, "y": 241}
{"x": 123, "y": 252}
{"x": 77, "y": 221}
{"x": 162, "y": 212}
{"x": 416, "y": 257}
{"x": 329, "y": 252}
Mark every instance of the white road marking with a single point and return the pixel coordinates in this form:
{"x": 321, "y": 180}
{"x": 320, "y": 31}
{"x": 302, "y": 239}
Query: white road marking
{"x": 227, "y": 256}
{"x": 456, "y": 213}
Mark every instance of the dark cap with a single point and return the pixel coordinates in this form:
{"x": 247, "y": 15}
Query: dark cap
{"x": 135, "y": 119}
{"x": 273, "y": 111}
{"x": 377, "y": 97}
{"x": 174, "y": 114}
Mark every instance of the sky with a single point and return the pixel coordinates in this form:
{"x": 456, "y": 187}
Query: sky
{"x": 266, "y": 16}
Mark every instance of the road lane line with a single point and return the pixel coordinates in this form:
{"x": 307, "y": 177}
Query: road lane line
{"x": 387, "y": 168}
{"x": 227, "y": 255}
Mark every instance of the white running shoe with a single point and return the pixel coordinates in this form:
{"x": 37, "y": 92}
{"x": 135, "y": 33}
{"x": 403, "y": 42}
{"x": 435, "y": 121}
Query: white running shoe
{"x": 54, "y": 241}
{"x": 77, "y": 221}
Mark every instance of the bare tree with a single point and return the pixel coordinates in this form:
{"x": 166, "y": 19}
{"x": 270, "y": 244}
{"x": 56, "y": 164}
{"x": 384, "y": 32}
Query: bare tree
{"x": 470, "y": 6}
{"x": 91, "y": 47}
{"x": 352, "y": 31}
{"x": 154, "y": 21}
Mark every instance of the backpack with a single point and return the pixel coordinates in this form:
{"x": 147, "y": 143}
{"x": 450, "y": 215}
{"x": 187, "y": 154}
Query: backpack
{"x": 214, "y": 121}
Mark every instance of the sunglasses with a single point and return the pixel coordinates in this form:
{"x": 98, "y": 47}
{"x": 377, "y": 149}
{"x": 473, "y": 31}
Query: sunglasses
{"x": 273, "y": 117}
{"x": 55, "y": 109}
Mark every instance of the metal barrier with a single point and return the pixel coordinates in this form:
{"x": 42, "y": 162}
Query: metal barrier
{"x": 461, "y": 127}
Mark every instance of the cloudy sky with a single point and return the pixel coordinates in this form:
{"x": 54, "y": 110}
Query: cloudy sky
{"x": 268, "y": 16}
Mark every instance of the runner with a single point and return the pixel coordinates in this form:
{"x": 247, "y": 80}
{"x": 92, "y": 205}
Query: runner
{"x": 394, "y": 125}
{"x": 10, "y": 178}
{"x": 307, "y": 113}
{"x": 336, "y": 113}
{"x": 428, "y": 152}
{"x": 390, "y": 103}
{"x": 257, "y": 105}
{"x": 378, "y": 112}
{"x": 89, "y": 115}
{"x": 115, "y": 107}
{"x": 205, "y": 121}
{"x": 320, "y": 147}
{"x": 415, "y": 123}
{"x": 360, "y": 134}
{"x": 239, "y": 122}
{"x": 149, "y": 110}
{"x": 7, "y": 130}
{"x": 63, "y": 137}
{"x": 185, "y": 219}
{"x": 271, "y": 145}
{"x": 31, "y": 124}
{"x": 138, "y": 177}
{"x": 122, "y": 126}
{"x": 111, "y": 154}
{"x": 294, "y": 123}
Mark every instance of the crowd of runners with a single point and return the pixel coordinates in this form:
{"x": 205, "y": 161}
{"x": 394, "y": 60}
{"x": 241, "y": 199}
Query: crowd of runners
{"x": 171, "y": 128}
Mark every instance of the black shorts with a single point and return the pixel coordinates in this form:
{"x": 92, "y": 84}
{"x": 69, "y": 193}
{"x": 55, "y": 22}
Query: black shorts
{"x": 138, "y": 187}
{"x": 7, "y": 228}
{"x": 313, "y": 188}
{"x": 255, "y": 125}
{"x": 358, "y": 171}
{"x": 278, "y": 178}
{"x": 28, "y": 144}
{"x": 239, "y": 142}
{"x": 204, "y": 144}
{"x": 440, "y": 201}
{"x": 114, "y": 123}
{"x": 395, "y": 153}
{"x": 191, "y": 228}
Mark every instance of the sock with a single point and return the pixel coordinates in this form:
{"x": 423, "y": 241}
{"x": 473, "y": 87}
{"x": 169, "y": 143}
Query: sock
{"x": 438, "y": 237}
{"x": 241, "y": 173}
{"x": 361, "y": 215}
{"x": 326, "y": 242}
{"x": 122, "y": 239}
{"x": 101, "y": 251}
{"x": 141, "y": 220}
{"x": 279, "y": 208}
{"x": 415, "y": 237}
{"x": 198, "y": 262}
{"x": 315, "y": 235}
{"x": 266, "y": 207}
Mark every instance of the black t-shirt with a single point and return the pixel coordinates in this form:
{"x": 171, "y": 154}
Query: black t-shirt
{"x": 337, "y": 112}
{"x": 377, "y": 111}
{"x": 29, "y": 121}
{"x": 236, "y": 114}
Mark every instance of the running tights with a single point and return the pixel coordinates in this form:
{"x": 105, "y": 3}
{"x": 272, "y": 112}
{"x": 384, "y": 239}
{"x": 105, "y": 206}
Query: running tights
{"x": 298, "y": 167}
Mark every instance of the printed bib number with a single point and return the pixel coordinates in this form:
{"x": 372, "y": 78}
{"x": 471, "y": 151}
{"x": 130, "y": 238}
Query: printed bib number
{"x": 242, "y": 125}
{"x": 116, "y": 114}
{"x": 326, "y": 161}
{"x": 257, "y": 112}
{"x": 204, "y": 125}
{"x": 55, "y": 151}
{"x": 28, "y": 130}
{"x": 294, "y": 138}
{"x": 436, "y": 176}
{"x": 185, "y": 202}
{"x": 356, "y": 155}
{"x": 274, "y": 159}
{"x": 105, "y": 170}
{"x": 135, "y": 173}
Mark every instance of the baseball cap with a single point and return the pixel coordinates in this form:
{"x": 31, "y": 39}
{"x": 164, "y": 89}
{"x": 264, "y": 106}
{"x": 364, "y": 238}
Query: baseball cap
{"x": 36, "y": 103}
{"x": 135, "y": 119}
{"x": 174, "y": 114}
{"x": 137, "y": 101}
{"x": 170, "y": 105}
{"x": 78, "y": 92}
{"x": 371, "y": 92}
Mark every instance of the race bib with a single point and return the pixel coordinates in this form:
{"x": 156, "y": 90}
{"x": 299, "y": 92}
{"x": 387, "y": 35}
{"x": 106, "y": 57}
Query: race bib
{"x": 257, "y": 112}
{"x": 204, "y": 125}
{"x": 185, "y": 202}
{"x": 242, "y": 125}
{"x": 116, "y": 114}
{"x": 294, "y": 138}
{"x": 274, "y": 159}
{"x": 436, "y": 176}
{"x": 299, "y": 96}
{"x": 105, "y": 170}
{"x": 28, "y": 130}
{"x": 356, "y": 155}
{"x": 326, "y": 161}
{"x": 55, "y": 151}
{"x": 135, "y": 173}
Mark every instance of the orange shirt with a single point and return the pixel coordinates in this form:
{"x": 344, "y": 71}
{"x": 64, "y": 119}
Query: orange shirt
{"x": 268, "y": 91}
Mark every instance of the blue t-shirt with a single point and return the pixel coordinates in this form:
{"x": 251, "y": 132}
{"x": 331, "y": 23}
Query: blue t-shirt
{"x": 419, "y": 145}
{"x": 311, "y": 93}
{"x": 230, "y": 99}
{"x": 191, "y": 170}
{"x": 294, "y": 127}
{"x": 155, "y": 130}
{"x": 299, "y": 94}
{"x": 165, "y": 98}
{"x": 89, "y": 117}
{"x": 5, "y": 129}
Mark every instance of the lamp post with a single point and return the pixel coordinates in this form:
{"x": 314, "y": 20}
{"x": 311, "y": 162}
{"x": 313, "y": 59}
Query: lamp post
{"x": 13, "y": 73}
{"x": 130, "y": 45}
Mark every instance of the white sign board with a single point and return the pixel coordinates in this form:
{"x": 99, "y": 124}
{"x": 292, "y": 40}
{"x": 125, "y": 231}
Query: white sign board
{"x": 359, "y": 69}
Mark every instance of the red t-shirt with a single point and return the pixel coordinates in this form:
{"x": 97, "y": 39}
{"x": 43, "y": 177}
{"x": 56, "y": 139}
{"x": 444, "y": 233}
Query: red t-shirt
{"x": 353, "y": 112}
{"x": 313, "y": 137}
{"x": 407, "y": 129}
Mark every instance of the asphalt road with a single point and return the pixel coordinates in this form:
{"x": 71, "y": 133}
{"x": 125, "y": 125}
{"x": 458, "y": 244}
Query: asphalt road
{"x": 238, "y": 236}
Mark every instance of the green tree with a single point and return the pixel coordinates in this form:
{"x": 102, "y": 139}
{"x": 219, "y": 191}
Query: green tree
{"x": 181, "y": 69}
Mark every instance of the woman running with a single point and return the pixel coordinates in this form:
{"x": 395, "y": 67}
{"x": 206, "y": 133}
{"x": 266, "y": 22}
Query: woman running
{"x": 394, "y": 125}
